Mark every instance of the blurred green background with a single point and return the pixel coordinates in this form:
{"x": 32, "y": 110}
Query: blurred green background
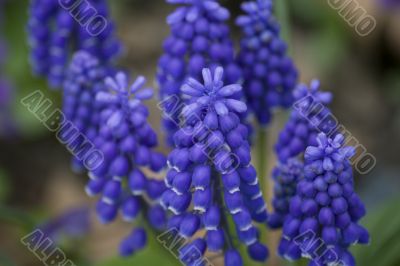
{"x": 37, "y": 185}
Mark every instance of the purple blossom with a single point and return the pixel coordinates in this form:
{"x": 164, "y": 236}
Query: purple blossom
{"x": 269, "y": 74}
{"x": 325, "y": 207}
{"x": 210, "y": 169}
{"x": 84, "y": 79}
{"x": 54, "y": 35}
{"x": 306, "y": 118}
{"x": 199, "y": 38}
{"x": 127, "y": 142}
{"x": 286, "y": 176}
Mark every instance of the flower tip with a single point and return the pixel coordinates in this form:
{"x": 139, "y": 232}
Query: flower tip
{"x": 315, "y": 84}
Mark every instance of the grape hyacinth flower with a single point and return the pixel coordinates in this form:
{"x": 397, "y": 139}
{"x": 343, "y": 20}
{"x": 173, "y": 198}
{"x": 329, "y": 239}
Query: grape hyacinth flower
{"x": 325, "y": 208}
{"x": 210, "y": 169}
{"x": 305, "y": 120}
{"x": 55, "y": 33}
{"x": 84, "y": 79}
{"x": 199, "y": 38}
{"x": 286, "y": 177}
{"x": 127, "y": 142}
{"x": 269, "y": 74}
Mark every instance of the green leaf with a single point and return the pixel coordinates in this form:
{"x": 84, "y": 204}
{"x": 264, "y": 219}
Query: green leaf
{"x": 384, "y": 227}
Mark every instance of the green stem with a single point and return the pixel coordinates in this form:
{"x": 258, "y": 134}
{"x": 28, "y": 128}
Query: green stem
{"x": 261, "y": 167}
{"x": 220, "y": 202}
{"x": 262, "y": 157}
{"x": 282, "y": 14}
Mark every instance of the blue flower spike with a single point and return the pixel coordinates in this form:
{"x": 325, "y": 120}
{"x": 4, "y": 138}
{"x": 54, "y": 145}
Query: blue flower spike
{"x": 325, "y": 207}
{"x": 127, "y": 142}
{"x": 199, "y": 39}
{"x": 306, "y": 118}
{"x": 55, "y": 35}
{"x": 210, "y": 175}
{"x": 270, "y": 76}
{"x": 286, "y": 176}
{"x": 84, "y": 79}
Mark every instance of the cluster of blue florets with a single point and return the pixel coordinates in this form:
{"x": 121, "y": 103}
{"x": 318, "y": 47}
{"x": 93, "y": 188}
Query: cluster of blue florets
{"x": 106, "y": 111}
{"x": 110, "y": 113}
{"x": 199, "y": 38}
{"x": 325, "y": 207}
{"x": 286, "y": 177}
{"x": 56, "y": 32}
{"x": 127, "y": 142}
{"x": 301, "y": 130}
{"x": 84, "y": 78}
{"x": 269, "y": 74}
{"x": 210, "y": 169}
{"x": 315, "y": 200}
{"x": 211, "y": 186}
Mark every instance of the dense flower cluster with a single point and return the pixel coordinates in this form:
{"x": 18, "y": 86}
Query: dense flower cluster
{"x": 325, "y": 207}
{"x": 301, "y": 129}
{"x": 56, "y": 32}
{"x": 199, "y": 38}
{"x": 211, "y": 184}
{"x": 210, "y": 168}
{"x": 127, "y": 142}
{"x": 115, "y": 121}
{"x": 84, "y": 79}
{"x": 269, "y": 74}
{"x": 286, "y": 177}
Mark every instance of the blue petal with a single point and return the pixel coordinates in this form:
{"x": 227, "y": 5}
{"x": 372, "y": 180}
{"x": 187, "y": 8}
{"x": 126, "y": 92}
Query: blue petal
{"x": 139, "y": 82}
{"x": 221, "y": 108}
{"x": 236, "y": 105}
{"x": 122, "y": 81}
{"x": 229, "y": 90}
{"x": 144, "y": 94}
{"x": 189, "y": 90}
{"x": 115, "y": 119}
